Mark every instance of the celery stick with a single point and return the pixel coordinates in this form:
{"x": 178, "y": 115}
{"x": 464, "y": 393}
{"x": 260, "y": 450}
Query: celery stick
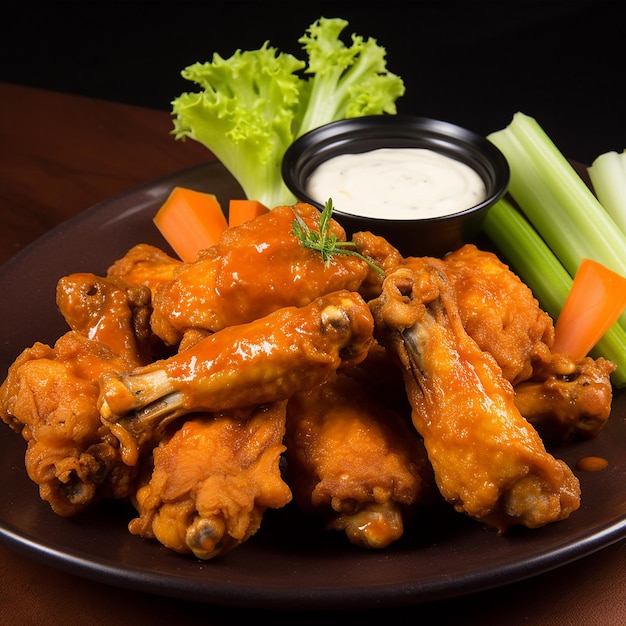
{"x": 534, "y": 262}
{"x": 556, "y": 200}
{"x": 608, "y": 177}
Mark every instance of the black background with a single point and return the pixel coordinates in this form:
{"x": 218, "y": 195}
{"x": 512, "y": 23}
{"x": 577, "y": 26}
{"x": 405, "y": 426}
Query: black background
{"x": 472, "y": 63}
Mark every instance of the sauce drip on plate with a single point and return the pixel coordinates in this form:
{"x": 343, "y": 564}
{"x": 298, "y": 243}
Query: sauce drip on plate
{"x": 592, "y": 464}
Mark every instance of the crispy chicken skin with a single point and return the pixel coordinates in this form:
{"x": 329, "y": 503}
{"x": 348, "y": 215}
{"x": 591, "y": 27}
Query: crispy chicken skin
{"x": 488, "y": 461}
{"x": 50, "y": 396}
{"x": 381, "y": 253}
{"x": 563, "y": 399}
{"x": 354, "y": 461}
{"x": 251, "y": 364}
{"x": 145, "y": 265}
{"x": 498, "y": 310}
{"x": 254, "y": 269}
{"x": 212, "y": 481}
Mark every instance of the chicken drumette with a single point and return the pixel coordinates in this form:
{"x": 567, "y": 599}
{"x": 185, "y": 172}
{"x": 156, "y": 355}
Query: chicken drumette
{"x": 264, "y": 361}
{"x": 50, "y": 395}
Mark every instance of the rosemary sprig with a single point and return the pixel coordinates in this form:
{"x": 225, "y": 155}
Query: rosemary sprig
{"x": 325, "y": 241}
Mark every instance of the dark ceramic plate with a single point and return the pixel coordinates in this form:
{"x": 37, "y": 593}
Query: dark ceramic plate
{"x": 289, "y": 563}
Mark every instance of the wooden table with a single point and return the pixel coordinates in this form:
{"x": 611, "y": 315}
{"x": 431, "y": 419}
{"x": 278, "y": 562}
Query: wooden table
{"x": 59, "y": 155}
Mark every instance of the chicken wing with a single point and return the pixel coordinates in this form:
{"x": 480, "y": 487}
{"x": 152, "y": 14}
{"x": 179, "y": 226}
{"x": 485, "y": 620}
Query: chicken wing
{"x": 144, "y": 264}
{"x": 212, "y": 481}
{"x": 354, "y": 462}
{"x": 50, "y": 396}
{"x": 488, "y": 461}
{"x": 102, "y": 310}
{"x": 561, "y": 398}
{"x": 381, "y": 253}
{"x": 499, "y": 312}
{"x": 567, "y": 399}
{"x": 255, "y": 269}
{"x": 251, "y": 364}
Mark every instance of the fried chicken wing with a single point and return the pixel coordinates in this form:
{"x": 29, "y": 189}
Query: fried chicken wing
{"x": 255, "y": 269}
{"x": 381, "y": 253}
{"x": 104, "y": 311}
{"x": 240, "y": 366}
{"x": 212, "y": 481}
{"x": 498, "y": 310}
{"x": 488, "y": 461}
{"x": 567, "y": 398}
{"x": 354, "y": 461}
{"x": 50, "y": 396}
{"x": 144, "y": 264}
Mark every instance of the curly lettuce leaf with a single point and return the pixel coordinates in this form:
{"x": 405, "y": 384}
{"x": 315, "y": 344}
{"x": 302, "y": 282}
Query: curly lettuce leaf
{"x": 244, "y": 116}
{"x": 346, "y": 81}
{"x": 253, "y": 105}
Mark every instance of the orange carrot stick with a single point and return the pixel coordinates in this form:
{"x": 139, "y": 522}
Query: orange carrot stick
{"x": 595, "y": 301}
{"x": 190, "y": 221}
{"x": 240, "y": 211}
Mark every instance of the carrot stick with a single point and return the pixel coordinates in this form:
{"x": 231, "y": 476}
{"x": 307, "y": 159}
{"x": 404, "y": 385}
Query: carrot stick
{"x": 190, "y": 221}
{"x": 240, "y": 211}
{"x": 595, "y": 301}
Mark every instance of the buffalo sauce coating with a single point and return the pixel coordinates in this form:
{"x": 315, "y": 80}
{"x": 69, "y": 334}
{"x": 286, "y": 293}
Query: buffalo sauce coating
{"x": 255, "y": 269}
{"x": 271, "y": 358}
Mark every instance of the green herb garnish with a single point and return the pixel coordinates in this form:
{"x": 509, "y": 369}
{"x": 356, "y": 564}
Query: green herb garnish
{"x": 324, "y": 241}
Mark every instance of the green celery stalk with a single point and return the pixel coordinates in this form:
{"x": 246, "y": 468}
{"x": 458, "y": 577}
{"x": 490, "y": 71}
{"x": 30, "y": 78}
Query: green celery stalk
{"x": 557, "y": 202}
{"x": 535, "y": 263}
{"x": 608, "y": 177}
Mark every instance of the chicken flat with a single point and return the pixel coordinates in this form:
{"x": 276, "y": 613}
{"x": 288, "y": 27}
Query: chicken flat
{"x": 255, "y": 269}
{"x": 489, "y": 462}
{"x": 499, "y": 312}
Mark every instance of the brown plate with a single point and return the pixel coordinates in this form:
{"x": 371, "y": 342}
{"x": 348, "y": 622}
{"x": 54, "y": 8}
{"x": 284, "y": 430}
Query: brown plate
{"x": 290, "y": 562}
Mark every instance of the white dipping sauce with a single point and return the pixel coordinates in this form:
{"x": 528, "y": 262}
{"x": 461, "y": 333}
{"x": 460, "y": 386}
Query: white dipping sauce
{"x": 397, "y": 183}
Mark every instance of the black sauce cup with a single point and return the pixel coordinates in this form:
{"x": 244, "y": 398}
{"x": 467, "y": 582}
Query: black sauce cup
{"x": 433, "y": 236}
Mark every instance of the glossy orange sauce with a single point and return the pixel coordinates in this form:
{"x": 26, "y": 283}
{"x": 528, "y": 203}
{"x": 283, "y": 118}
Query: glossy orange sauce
{"x": 592, "y": 464}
